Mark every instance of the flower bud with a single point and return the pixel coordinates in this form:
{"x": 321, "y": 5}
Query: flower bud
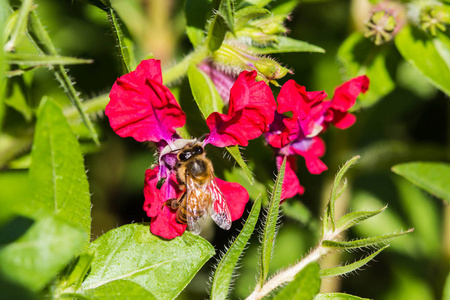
{"x": 433, "y": 18}
{"x": 264, "y": 30}
{"x": 386, "y": 20}
{"x": 233, "y": 59}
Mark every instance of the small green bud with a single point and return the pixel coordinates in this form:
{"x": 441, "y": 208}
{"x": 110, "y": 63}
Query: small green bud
{"x": 380, "y": 27}
{"x": 434, "y": 18}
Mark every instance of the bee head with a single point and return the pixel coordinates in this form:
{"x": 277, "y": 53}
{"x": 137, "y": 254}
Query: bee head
{"x": 190, "y": 151}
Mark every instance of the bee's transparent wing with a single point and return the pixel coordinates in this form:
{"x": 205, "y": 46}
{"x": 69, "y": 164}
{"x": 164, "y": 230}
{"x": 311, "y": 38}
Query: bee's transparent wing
{"x": 198, "y": 205}
{"x": 220, "y": 212}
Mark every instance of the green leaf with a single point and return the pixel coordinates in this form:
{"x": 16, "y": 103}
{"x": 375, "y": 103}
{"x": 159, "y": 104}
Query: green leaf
{"x": 132, "y": 253}
{"x": 446, "y": 293}
{"x": 270, "y": 224}
{"x": 196, "y": 12}
{"x": 248, "y": 13}
{"x": 78, "y": 270}
{"x": 43, "y": 60}
{"x": 13, "y": 200}
{"x": 305, "y": 285}
{"x": 124, "y": 50}
{"x": 32, "y": 252}
{"x": 17, "y": 95}
{"x": 224, "y": 271}
{"x": 234, "y": 151}
{"x": 361, "y": 57}
{"x": 335, "y": 193}
{"x": 41, "y": 39}
{"x": 425, "y": 54}
{"x": 4, "y": 11}
{"x": 434, "y": 177}
{"x": 117, "y": 290}
{"x": 285, "y": 44}
{"x": 204, "y": 91}
{"x": 338, "y": 296}
{"x": 20, "y": 26}
{"x": 57, "y": 171}
{"x": 260, "y": 3}
{"x": 353, "y": 218}
{"x": 350, "y": 267}
{"x": 371, "y": 241}
{"x": 222, "y": 23}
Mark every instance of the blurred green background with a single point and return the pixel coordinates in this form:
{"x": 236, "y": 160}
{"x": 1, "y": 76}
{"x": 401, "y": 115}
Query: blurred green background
{"x": 408, "y": 124}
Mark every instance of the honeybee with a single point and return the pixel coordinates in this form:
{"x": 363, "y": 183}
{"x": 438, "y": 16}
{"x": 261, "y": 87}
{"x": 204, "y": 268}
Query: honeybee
{"x": 202, "y": 195}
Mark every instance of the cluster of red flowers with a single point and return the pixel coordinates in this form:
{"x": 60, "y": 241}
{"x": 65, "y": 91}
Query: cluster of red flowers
{"x": 143, "y": 108}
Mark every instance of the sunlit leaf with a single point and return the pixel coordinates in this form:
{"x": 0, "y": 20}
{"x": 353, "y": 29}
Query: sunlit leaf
{"x": 446, "y": 292}
{"x": 305, "y": 285}
{"x": 117, "y": 290}
{"x": 20, "y": 26}
{"x": 365, "y": 242}
{"x": 336, "y": 191}
{"x": 32, "y": 252}
{"x": 43, "y": 60}
{"x": 353, "y": 218}
{"x": 124, "y": 50}
{"x": 338, "y": 296}
{"x": 234, "y": 151}
{"x": 285, "y": 44}
{"x": 132, "y": 253}
{"x": 227, "y": 265}
{"x": 425, "y": 53}
{"x": 260, "y": 3}
{"x": 341, "y": 270}
{"x": 13, "y": 200}
{"x": 434, "y": 177}
{"x": 204, "y": 91}
{"x": 270, "y": 224}
{"x": 57, "y": 171}
{"x": 248, "y": 13}
{"x": 222, "y": 23}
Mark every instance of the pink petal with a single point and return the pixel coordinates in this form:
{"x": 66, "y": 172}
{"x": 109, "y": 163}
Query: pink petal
{"x": 346, "y": 94}
{"x": 142, "y": 107}
{"x": 291, "y": 185}
{"x": 251, "y": 110}
{"x": 235, "y": 195}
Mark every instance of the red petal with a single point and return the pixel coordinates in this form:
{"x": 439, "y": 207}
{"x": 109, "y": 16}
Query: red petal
{"x": 291, "y": 185}
{"x": 312, "y": 154}
{"x": 251, "y": 110}
{"x": 163, "y": 222}
{"x": 165, "y": 225}
{"x": 235, "y": 195}
{"x": 142, "y": 107}
{"x": 346, "y": 94}
{"x": 343, "y": 120}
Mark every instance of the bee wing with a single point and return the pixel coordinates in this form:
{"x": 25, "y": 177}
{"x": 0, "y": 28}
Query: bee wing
{"x": 220, "y": 212}
{"x": 198, "y": 205}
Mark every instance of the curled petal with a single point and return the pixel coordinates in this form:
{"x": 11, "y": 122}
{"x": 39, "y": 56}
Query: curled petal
{"x": 311, "y": 149}
{"x": 343, "y": 120}
{"x": 163, "y": 219}
{"x": 251, "y": 110}
{"x": 291, "y": 185}
{"x": 235, "y": 195}
{"x": 142, "y": 107}
{"x": 345, "y": 95}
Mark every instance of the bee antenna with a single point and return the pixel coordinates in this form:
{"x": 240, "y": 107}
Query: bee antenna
{"x": 200, "y": 139}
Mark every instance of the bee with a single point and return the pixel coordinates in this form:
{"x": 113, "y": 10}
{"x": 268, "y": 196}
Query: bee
{"x": 202, "y": 196}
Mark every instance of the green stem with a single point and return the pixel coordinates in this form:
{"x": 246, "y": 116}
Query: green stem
{"x": 179, "y": 70}
{"x": 20, "y": 27}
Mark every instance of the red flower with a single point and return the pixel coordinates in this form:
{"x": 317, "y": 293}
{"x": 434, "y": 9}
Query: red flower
{"x": 251, "y": 110}
{"x": 163, "y": 218}
{"x": 291, "y": 185}
{"x": 297, "y": 135}
{"x": 142, "y": 107}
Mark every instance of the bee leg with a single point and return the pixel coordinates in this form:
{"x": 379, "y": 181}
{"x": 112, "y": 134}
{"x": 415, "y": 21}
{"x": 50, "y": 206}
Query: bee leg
{"x": 174, "y": 203}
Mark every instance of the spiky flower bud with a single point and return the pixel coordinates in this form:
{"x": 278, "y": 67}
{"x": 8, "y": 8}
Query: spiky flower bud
{"x": 433, "y": 18}
{"x": 385, "y": 21}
